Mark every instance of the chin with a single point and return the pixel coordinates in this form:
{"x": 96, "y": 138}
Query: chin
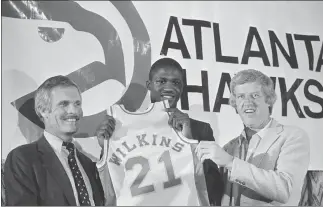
{"x": 70, "y": 133}
{"x": 71, "y": 130}
{"x": 172, "y": 103}
{"x": 250, "y": 122}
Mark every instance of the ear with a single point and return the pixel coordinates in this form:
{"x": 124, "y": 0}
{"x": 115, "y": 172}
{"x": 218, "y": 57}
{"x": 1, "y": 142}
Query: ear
{"x": 44, "y": 113}
{"x": 148, "y": 84}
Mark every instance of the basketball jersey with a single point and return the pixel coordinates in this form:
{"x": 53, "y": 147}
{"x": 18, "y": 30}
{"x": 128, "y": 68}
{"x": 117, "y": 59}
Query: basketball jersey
{"x": 146, "y": 162}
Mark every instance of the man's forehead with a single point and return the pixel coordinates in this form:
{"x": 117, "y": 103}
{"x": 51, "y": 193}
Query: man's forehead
{"x": 248, "y": 87}
{"x": 167, "y": 71}
{"x": 67, "y": 93}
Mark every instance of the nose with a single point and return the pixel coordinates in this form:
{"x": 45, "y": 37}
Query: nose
{"x": 248, "y": 101}
{"x": 72, "y": 109}
{"x": 248, "y": 98}
{"x": 169, "y": 89}
{"x": 169, "y": 86}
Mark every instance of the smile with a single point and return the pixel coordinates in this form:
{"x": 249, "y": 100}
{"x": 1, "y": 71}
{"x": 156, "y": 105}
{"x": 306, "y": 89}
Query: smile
{"x": 71, "y": 120}
{"x": 168, "y": 96}
{"x": 248, "y": 111}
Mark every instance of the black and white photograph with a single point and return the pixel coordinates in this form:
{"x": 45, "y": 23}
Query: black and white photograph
{"x": 161, "y": 103}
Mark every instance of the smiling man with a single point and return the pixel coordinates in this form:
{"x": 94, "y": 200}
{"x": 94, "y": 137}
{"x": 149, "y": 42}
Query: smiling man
{"x": 267, "y": 163}
{"x": 50, "y": 171}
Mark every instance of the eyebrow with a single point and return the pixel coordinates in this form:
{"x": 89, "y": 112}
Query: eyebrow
{"x": 170, "y": 78}
{"x": 63, "y": 101}
{"x": 68, "y": 101}
{"x": 250, "y": 92}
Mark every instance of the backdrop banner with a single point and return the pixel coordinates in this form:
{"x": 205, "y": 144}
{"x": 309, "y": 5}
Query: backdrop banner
{"x": 107, "y": 48}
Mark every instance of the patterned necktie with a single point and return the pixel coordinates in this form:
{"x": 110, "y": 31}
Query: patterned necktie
{"x": 78, "y": 179}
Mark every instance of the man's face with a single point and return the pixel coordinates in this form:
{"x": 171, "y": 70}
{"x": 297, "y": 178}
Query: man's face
{"x": 66, "y": 111}
{"x": 166, "y": 83}
{"x": 251, "y": 105}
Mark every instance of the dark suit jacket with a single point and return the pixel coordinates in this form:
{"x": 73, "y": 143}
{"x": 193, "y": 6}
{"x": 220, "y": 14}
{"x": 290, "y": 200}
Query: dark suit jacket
{"x": 33, "y": 175}
{"x": 214, "y": 182}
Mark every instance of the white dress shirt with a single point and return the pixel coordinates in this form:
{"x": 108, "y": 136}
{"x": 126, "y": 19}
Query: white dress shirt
{"x": 62, "y": 154}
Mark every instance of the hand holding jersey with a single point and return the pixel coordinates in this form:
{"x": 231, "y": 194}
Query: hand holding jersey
{"x": 211, "y": 150}
{"x": 179, "y": 121}
{"x": 149, "y": 163}
{"x": 105, "y": 130}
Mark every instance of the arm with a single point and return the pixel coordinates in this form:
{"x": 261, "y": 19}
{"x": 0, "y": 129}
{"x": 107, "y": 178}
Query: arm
{"x": 103, "y": 132}
{"x": 213, "y": 173}
{"x": 20, "y": 187}
{"x": 105, "y": 129}
{"x": 102, "y": 166}
{"x": 201, "y": 130}
{"x": 215, "y": 184}
{"x": 277, "y": 184}
{"x": 109, "y": 194}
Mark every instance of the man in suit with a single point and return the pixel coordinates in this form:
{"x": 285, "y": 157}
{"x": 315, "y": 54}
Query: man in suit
{"x": 267, "y": 163}
{"x": 50, "y": 171}
{"x": 166, "y": 82}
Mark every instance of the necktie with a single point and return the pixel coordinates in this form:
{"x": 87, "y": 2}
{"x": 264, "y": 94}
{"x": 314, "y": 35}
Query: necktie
{"x": 82, "y": 193}
{"x": 249, "y": 133}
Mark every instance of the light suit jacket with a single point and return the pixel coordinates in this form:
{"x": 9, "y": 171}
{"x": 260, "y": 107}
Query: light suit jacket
{"x": 274, "y": 170}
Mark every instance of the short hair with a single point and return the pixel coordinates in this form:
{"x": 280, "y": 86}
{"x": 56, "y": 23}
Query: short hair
{"x": 164, "y": 62}
{"x": 251, "y": 76}
{"x": 43, "y": 93}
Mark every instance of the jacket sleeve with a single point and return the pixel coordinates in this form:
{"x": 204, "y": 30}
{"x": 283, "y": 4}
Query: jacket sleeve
{"x": 277, "y": 185}
{"x": 214, "y": 180}
{"x": 208, "y": 133}
{"x": 18, "y": 179}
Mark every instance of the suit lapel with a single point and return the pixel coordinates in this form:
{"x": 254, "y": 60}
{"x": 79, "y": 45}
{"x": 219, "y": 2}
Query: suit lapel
{"x": 272, "y": 133}
{"x": 51, "y": 162}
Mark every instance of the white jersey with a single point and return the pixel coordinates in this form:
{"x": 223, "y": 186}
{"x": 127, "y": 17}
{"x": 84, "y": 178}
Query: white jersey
{"x": 148, "y": 163}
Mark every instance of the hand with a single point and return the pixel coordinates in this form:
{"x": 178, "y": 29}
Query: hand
{"x": 211, "y": 150}
{"x": 105, "y": 129}
{"x": 180, "y": 121}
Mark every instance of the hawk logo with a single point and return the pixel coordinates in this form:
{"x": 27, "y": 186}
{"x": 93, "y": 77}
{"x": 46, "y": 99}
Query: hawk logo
{"x": 85, "y": 20}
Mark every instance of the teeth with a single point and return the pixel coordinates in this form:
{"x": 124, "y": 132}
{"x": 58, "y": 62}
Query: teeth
{"x": 168, "y": 96}
{"x": 71, "y": 120}
{"x": 249, "y": 111}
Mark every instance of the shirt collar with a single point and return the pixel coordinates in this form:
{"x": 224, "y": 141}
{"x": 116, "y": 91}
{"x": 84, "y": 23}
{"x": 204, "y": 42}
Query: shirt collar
{"x": 261, "y": 133}
{"x": 54, "y": 141}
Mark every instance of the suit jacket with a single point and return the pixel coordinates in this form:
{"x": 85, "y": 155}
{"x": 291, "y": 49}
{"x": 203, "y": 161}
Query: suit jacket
{"x": 33, "y": 175}
{"x": 215, "y": 186}
{"x": 274, "y": 170}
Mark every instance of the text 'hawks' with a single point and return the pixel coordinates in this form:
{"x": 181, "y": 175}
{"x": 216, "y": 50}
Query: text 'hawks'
{"x": 142, "y": 142}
